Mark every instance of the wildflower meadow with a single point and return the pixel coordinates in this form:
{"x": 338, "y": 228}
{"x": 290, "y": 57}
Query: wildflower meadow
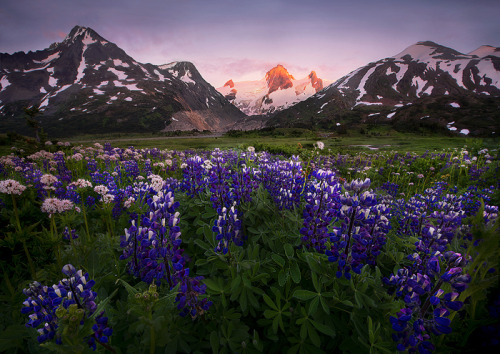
{"x": 130, "y": 250}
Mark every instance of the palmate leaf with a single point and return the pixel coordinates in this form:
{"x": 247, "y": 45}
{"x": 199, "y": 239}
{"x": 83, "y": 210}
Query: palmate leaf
{"x": 270, "y": 302}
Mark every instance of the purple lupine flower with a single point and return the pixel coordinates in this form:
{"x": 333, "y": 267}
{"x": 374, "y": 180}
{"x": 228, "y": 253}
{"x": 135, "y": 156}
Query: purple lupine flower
{"x": 43, "y": 302}
{"x": 67, "y": 233}
{"x": 194, "y": 181}
{"x": 101, "y": 331}
{"x": 426, "y": 300}
{"x": 188, "y": 297}
{"x": 228, "y": 229}
{"x": 362, "y": 231}
{"x": 322, "y": 201}
{"x": 154, "y": 247}
{"x": 284, "y": 180}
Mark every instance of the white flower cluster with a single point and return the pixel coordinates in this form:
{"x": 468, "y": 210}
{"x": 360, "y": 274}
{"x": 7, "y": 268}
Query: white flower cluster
{"x": 56, "y": 206}
{"x": 128, "y": 203}
{"x": 101, "y": 189}
{"x": 156, "y": 182}
{"x": 320, "y": 145}
{"x": 48, "y": 179}
{"x": 207, "y": 165}
{"x": 77, "y": 157}
{"x": 108, "y": 198}
{"x": 10, "y": 186}
{"x": 81, "y": 183}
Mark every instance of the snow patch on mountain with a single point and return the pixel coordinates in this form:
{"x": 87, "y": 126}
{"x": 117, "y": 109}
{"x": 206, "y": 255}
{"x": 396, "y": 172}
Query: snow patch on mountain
{"x": 48, "y": 59}
{"x": 4, "y": 82}
{"x": 118, "y": 62}
{"x": 487, "y": 69}
{"x": 52, "y": 81}
{"x": 121, "y": 75}
{"x": 187, "y": 78}
{"x": 485, "y": 50}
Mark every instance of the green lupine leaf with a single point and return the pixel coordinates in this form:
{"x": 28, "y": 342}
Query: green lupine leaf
{"x": 130, "y": 289}
{"x": 214, "y": 342}
{"x": 275, "y": 324}
{"x": 313, "y": 306}
{"x": 289, "y": 250}
{"x": 304, "y": 295}
{"x": 295, "y": 273}
{"x": 282, "y": 277}
{"x": 246, "y": 282}
{"x": 212, "y": 285}
{"x": 235, "y": 284}
{"x": 324, "y": 305}
{"x": 303, "y": 331}
{"x": 243, "y": 300}
{"x": 358, "y": 299}
{"x": 313, "y": 335}
{"x": 278, "y": 259}
{"x": 202, "y": 244}
{"x": 316, "y": 285}
{"x": 270, "y": 313}
{"x": 329, "y": 331}
{"x": 253, "y": 300}
{"x": 270, "y": 302}
{"x": 371, "y": 335}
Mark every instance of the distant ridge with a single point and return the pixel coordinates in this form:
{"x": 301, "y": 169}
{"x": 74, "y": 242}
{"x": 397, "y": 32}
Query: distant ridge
{"x": 86, "y": 84}
{"x": 426, "y": 85}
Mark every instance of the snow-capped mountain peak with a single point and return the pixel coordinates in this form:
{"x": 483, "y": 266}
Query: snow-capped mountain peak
{"x": 276, "y": 91}
{"x": 86, "y": 75}
{"x": 422, "y": 74}
{"x": 423, "y": 51}
{"x": 278, "y": 78}
{"x": 486, "y": 50}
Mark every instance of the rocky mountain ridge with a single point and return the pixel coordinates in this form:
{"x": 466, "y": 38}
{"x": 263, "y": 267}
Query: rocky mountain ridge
{"x": 88, "y": 84}
{"x": 414, "y": 80}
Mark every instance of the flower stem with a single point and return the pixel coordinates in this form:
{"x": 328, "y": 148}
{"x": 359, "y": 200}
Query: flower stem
{"x": 107, "y": 346}
{"x": 86, "y": 222}
{"x": 53, "y": 231}
{"x": 351, "y": 223}
{"x": 30, "y": 261}
{"x": 152, "y": 344}
{"x": 18, "y": 224}
{"x": 7, "y": 281}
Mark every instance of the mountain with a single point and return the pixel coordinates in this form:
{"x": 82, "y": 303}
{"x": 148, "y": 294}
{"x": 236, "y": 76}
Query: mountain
{"x": 426, "y": 85}
{"x": 86, "y": 84}
{"x": 276, "y": 91}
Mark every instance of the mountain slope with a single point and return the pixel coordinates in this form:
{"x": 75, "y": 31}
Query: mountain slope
{"x": 276, "y": 91}
{"x": 422, "y": 73}
{"x": 86, "y": 84}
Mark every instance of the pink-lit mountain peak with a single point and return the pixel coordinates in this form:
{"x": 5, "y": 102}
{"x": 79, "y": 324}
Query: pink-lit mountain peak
{"x": 276, "y": 91}
{"x": 278, "y": 78}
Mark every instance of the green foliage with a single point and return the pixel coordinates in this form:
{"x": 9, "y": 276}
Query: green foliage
{"x": 270, "y": 295}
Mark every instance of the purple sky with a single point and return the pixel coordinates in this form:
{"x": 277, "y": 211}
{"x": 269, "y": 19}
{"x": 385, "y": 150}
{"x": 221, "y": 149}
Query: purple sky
{"x": 242, "y": 39}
